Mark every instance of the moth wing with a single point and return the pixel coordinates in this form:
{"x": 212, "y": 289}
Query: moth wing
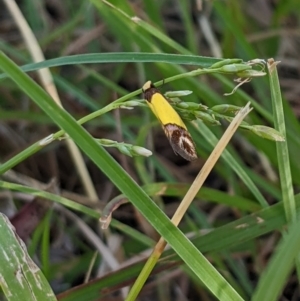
{"x": 164, "y": 111}
{"x": 181, "y": 142}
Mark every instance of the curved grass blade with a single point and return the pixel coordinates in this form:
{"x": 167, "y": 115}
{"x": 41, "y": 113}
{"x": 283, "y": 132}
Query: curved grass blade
{"x": 121, "y": 57}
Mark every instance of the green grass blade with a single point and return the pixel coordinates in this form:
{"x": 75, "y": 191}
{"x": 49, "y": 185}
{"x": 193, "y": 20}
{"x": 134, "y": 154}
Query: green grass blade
{"x": 191, "y": 41}
{"x": 282, "y": 147}
{"x": 47, "y": 195}
{"x": 121, "y": 57}
{"x": 212, "y": 195}
{"x": 20, "y": 278}
{"x": 274, "y": 278}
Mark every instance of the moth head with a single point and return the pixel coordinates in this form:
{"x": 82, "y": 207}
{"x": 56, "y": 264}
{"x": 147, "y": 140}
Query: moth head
{"x": 148, "y": 85}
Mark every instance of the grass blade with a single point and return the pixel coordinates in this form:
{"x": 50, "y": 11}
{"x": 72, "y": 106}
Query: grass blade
{"x": 20, "y": 278}
{"x": 273, "y": 279}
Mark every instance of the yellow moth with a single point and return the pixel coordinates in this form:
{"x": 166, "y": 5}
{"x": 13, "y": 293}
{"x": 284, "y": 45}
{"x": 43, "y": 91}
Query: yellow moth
{"x": 173, "y": 126}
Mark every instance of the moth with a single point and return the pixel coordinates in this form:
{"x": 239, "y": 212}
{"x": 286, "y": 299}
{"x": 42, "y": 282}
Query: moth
{"x": 173, "y": 126}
